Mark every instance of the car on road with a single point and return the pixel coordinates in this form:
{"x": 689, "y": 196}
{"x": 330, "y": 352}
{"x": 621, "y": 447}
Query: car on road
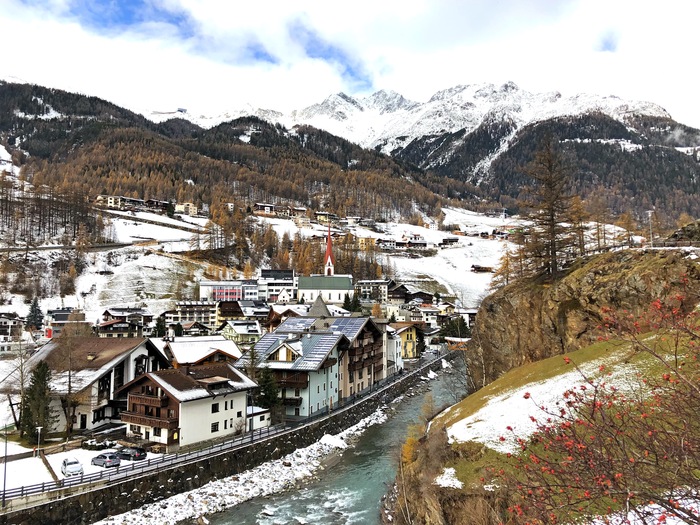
{"x": 132, "y": 453}
{"x": 71, "y": 467}
{"x": 108, "y": 459}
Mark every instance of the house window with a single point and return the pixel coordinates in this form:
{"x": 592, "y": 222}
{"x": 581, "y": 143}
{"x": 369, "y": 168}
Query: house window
{"x": 225, "y": 424}
{"x": 215, "y": 427}
{"x": 239, "y": 414}
{"x": 156, "y": 431}
{"x": 214, "y": 408}
{"x": 296, "y": 392}
{"x": 318, "y": 389}
{"x": 262, "y": 418}
{"x": 225, "y": 405}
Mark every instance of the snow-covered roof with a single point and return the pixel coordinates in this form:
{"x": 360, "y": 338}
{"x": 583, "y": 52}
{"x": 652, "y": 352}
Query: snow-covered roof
{"x": 200, "y": 382}
{"x": 83, "y": 359}
{"x": 195, "y": 349}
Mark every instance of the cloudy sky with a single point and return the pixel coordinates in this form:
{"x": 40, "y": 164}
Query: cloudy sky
{"x": 212, "y": 55}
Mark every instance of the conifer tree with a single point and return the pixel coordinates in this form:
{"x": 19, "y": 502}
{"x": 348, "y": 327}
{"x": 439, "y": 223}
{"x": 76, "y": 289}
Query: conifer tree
{"x": 547, "y": 205}
{"x": 36, "y": 403}
{"x": 35, "y": 318}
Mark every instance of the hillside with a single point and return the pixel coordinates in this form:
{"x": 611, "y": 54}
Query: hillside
{"x": 631, "y": 155}
{"x": 87, "y": 146}
{"x": 528, "y": 321}
{"x": 537, "y": 349}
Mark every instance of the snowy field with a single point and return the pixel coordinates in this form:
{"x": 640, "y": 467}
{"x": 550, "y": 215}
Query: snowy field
{"x": 31, "y": 471}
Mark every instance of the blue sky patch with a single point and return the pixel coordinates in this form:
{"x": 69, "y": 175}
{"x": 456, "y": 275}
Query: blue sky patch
{"x": 114, "y": 16}
{"x": 315, "y": 46}
{"x": 608, "y": 43}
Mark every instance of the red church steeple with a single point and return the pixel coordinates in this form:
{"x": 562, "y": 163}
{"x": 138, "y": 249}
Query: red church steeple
{"x": 329, "y": 260}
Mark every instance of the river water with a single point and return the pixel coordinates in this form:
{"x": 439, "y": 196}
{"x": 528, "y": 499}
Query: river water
{"x": 349, "y": 491}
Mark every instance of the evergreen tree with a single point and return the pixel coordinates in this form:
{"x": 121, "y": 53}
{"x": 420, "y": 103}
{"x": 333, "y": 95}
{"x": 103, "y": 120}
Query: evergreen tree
{"x": 355, "y": 305}
{"x": 36, "y": 404}
{"x": 268, "y": 395}
{"x": 160, "y": 329}
{"x": 456, "y": 327}
{"x": 178, "y": 330}
{"x": 347, "y": 305}
{"x": 392, "y": 319}
{"x": 35, "y": 318}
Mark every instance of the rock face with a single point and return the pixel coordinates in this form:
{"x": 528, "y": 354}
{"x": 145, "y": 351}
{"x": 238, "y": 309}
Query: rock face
{"x": 527, "y": 322}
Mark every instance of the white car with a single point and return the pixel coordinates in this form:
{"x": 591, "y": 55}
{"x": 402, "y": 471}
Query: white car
{"x": 71, "y": 467}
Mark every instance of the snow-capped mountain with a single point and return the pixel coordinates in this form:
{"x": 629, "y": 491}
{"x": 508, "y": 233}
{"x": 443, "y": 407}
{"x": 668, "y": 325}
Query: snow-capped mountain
{"x": 389, "y": 121}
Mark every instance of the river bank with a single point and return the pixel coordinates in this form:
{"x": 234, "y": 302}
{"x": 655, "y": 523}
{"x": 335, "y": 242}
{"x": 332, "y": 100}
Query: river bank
{"x": 287, "y": 473}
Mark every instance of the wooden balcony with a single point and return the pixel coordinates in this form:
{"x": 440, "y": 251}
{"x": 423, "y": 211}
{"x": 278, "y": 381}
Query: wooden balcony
{"x": 291, "y": 401}
{"x": 293, "y": 381}
{"x": 150, "y": 401}
{"x": 148, "y": 421}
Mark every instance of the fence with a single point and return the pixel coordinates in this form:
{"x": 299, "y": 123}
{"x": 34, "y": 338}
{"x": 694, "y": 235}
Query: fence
{"x": 85, "y": 483}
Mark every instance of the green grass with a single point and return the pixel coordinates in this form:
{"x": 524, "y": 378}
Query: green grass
{"x": 473, "y": 460}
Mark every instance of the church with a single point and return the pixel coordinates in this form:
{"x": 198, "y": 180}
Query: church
{"x": 330, "y": 287}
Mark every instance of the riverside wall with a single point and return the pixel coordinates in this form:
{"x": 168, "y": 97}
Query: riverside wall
{"x": 97, "y": 504}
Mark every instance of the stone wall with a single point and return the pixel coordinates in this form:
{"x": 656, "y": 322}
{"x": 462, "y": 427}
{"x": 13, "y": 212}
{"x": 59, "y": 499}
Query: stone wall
{"x": 97, "y": 504}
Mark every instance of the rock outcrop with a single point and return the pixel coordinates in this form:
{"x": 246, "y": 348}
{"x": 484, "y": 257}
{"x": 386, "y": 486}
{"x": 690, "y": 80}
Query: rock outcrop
{"x": 529, "y": 321}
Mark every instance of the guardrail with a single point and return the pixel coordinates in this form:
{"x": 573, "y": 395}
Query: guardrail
{"x": 112, "y": 475}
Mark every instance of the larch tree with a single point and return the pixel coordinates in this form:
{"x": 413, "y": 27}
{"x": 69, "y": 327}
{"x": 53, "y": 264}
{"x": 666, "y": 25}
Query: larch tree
{"x": 548, "y": 203}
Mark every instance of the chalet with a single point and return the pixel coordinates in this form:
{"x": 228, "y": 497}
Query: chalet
{"x": 154, "y": 204}
{"x": 192, "y": 351}
{"x": 10, "y": 324}
{"x": 409, "y": 334}
{"x": 119, "y": 328}
{"x": 241, "y": 331}
{"x": 305, "y": 367}
{"x": 363, "y": 364}
{"x": 194, "y": 329}
{"x": 56, "y": 320}
{"x": 179, "y": 408}
{"x": 134, "y": 315}
{"x": 265, "y": 209}
{"x": 90, "y": 370}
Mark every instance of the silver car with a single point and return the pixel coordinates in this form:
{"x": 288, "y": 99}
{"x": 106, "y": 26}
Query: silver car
{"x": 71, "y": 467}
{"x": 108, "y": 459}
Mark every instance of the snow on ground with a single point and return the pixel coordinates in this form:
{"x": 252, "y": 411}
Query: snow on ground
{"x": 489, "y": 425}
{"x": 265, "y": 479}
{"x": 31, "y": 471}
{"x": 448, "y": 478}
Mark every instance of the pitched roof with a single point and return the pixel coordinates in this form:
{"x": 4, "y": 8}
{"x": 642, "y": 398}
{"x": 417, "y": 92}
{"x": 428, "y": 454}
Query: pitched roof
{"x": 83, "y": 359}
{"x": 319, "y": 308}
{"x": 313, "y": 350}
{"x": 325, "y": 282}
{"x": 194, "y": 349}
{"x": 203, "y": 381}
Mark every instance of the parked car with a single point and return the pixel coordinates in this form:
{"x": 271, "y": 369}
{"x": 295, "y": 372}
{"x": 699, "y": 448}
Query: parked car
{"x": 71, "y": 467}
{"x": 132, "y": 453}
{"x": 108, "y": 459}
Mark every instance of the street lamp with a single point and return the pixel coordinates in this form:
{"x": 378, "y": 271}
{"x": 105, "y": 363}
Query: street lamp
{"x": 4, "y": 470}
{"x": 38, "y": 439}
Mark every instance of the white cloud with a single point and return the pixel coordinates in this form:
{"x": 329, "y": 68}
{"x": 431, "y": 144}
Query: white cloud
{"x": 285, "y": 55}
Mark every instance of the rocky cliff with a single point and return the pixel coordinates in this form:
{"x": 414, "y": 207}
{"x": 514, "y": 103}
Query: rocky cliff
{"x": 529, "y": 321}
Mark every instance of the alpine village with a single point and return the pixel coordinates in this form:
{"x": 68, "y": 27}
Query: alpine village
{"x": 181, "y": 305}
